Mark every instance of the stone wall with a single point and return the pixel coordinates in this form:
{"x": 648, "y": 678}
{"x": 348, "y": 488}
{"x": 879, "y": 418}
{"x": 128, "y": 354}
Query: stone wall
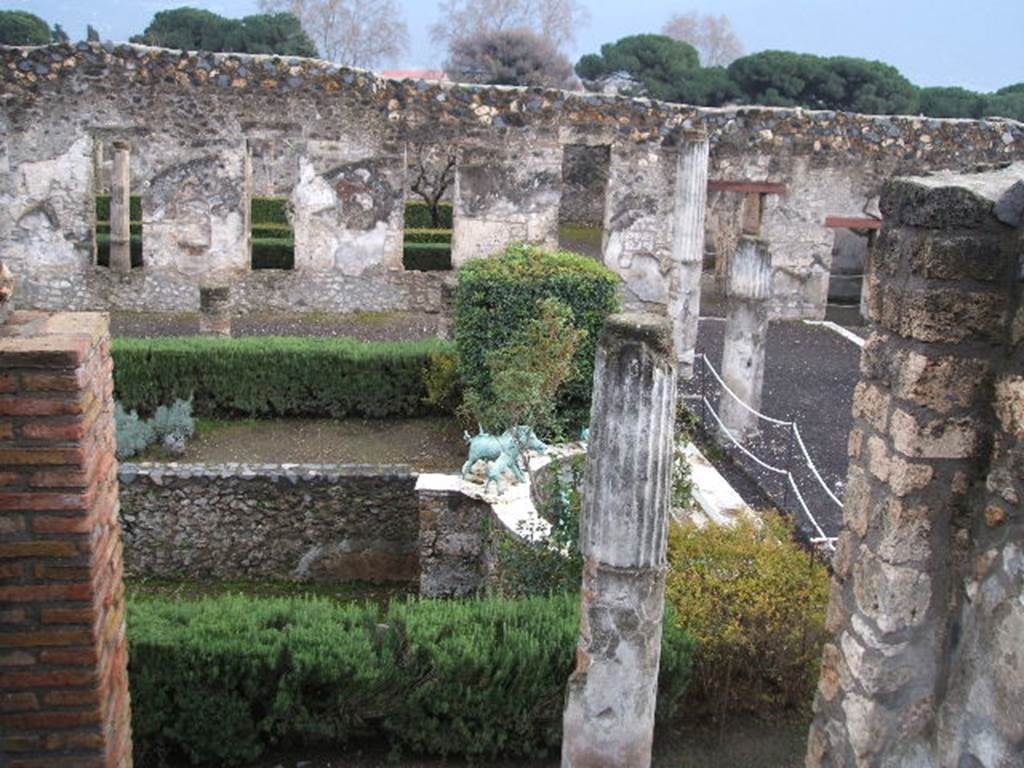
{"x": 281, "y": 521}
{"x": 206, "y": 130}
{"x": 927, "y": 608}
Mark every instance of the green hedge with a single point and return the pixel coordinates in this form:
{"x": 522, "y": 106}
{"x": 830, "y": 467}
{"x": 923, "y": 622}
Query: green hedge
{"x": 273, "y": 253}
{"x": 103, "y": 207}
{"x": 220, "y": 679}
{"x": 261, "y": 231}
{"x": 427, "y": 257}
{"x": 496, "y": 296}
{"x": 103, "y": 250}
{"x": 417, "y": 216}
{"x": 268, "y": 376}
{"x": 269, "y": 210}
{"x": 428, "y": 235}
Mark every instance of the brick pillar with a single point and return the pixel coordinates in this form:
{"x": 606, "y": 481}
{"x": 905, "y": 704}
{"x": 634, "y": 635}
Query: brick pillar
{"x": 63, "y": 651}
{"x": 925, "y": 664}
{"x": 120, "y": 209}
{"x": 609, "y": 710}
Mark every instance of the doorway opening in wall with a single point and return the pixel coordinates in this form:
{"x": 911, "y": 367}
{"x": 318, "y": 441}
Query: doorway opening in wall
{"x": 428, "y": 226}
{"x": 103, "y": 230}
{"x": 273, "y": 239}
{"x": 851, "y": 251}
{"x": 584, "y": 191}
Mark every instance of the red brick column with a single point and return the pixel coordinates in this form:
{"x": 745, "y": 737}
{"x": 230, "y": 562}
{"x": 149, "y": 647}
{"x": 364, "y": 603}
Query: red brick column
{"x": 63, "y": 651}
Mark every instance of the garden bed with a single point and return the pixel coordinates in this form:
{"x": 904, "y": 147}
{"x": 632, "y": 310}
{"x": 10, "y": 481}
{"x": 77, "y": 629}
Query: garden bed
{"x": 427, "y": 444}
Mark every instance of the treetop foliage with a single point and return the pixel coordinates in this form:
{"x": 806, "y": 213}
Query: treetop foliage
{"x": 23, "y": 28}
{"x": 669, "y": 69}
{"x": 193, "y": 29}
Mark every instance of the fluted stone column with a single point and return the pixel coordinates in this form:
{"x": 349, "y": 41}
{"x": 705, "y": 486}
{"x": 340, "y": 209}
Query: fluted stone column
{"x": 609, "y": 712}
{"x": 215, "y": 310}
{"x": 748, "y": 288}
{"x": 688, "y": 247}
{"x": 120, "y": 209}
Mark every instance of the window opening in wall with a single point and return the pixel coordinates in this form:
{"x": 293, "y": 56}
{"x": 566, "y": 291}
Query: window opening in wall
{"x": 103, "y": 230}
{"x": 584, "y": 191}
{"x": 273, "y": 239}
{"x": 427, "y": 239}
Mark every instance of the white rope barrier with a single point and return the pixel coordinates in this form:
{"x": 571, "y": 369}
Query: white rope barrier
{"x": 814, "y": 469}
{"x": 737, "y": 398}
{"x": 738, "y": 444}
{"x": 822, "y": 537}
{"x": 803, "y": 505}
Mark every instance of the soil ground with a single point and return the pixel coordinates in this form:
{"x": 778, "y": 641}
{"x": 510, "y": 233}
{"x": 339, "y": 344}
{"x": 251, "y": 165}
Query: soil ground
{"x": 738, "y": 743}
{"x": 428, "y": 444}
{"x": 810, "y": 374}
{"x": 368, "y": 326}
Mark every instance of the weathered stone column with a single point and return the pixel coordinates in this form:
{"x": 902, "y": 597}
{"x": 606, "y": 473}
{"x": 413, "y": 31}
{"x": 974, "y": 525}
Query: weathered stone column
{"x": 688, "y": 247}
{"x": 120, "y": 209}
{"x": 63, "y": 653}
{"x": 215, "y": 309}
{"x": 747, "y": 290}
{"x": 609, "y": 711}
{"x": 924, "y": 670}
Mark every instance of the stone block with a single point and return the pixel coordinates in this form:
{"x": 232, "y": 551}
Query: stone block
{"x": 940, "y": 315}
{"x": 941, "y": 438}
{"x": 895, "y": 598}
{"x": 872, "y": 404}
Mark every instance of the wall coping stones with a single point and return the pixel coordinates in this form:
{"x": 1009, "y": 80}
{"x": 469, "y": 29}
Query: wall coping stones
{"x": 949, "y": 199}
{"x": 158, "y": 471}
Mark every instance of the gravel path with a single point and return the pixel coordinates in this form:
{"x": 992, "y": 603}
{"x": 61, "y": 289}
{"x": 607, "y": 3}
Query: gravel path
{"x": 810, "y": 374}
{"x": 368, "y": 326}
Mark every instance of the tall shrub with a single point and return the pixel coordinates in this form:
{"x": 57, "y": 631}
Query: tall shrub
{"x": 755, "y": 603}
{"x": 497, "y": 297}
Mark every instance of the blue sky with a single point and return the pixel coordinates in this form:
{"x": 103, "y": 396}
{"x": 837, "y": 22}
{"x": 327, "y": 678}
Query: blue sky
{"x": 933, "y": 42}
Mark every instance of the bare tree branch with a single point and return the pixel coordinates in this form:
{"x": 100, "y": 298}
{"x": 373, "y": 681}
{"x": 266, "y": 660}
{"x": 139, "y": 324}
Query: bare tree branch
{"x": 556, "y": 20}
{"x": 357, "y": 33}
{"x": 712, "y": 36}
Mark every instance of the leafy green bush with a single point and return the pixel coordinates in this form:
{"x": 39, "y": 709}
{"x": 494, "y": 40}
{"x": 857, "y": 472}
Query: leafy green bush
{"x": 755, "y": 603}
{"x": 427, "y": 257}
{"x": 275, "y": 376}
{"x": 417, "y": 215}
{"x": 428, "y": 235}
{"x": 441, "y": 378}
{"x": 497, "y": 297}
{"x": 219, "y": 679}
{"x": 269, "y": 210}
{"x": 273, "y": 253}
{"x": 103, "y": 208}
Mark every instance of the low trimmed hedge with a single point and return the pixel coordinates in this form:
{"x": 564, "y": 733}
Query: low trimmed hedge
{"x": 268, "y": 376}
{"x": 261, "y": 231}
{"x": 417, "y": 216}
{"x": 427, "y": 257}
{"x": 221, "y": 679}
{"x": 428, "y": 235}
{"x": 269, "y": 210}
{"x": 103, "y": 207}
{"x": 103, "y": 250}
{"x": 273, "y": 253}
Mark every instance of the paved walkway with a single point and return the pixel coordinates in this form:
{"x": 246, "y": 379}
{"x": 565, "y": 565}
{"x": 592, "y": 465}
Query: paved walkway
{"x": 810, "y": 374}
